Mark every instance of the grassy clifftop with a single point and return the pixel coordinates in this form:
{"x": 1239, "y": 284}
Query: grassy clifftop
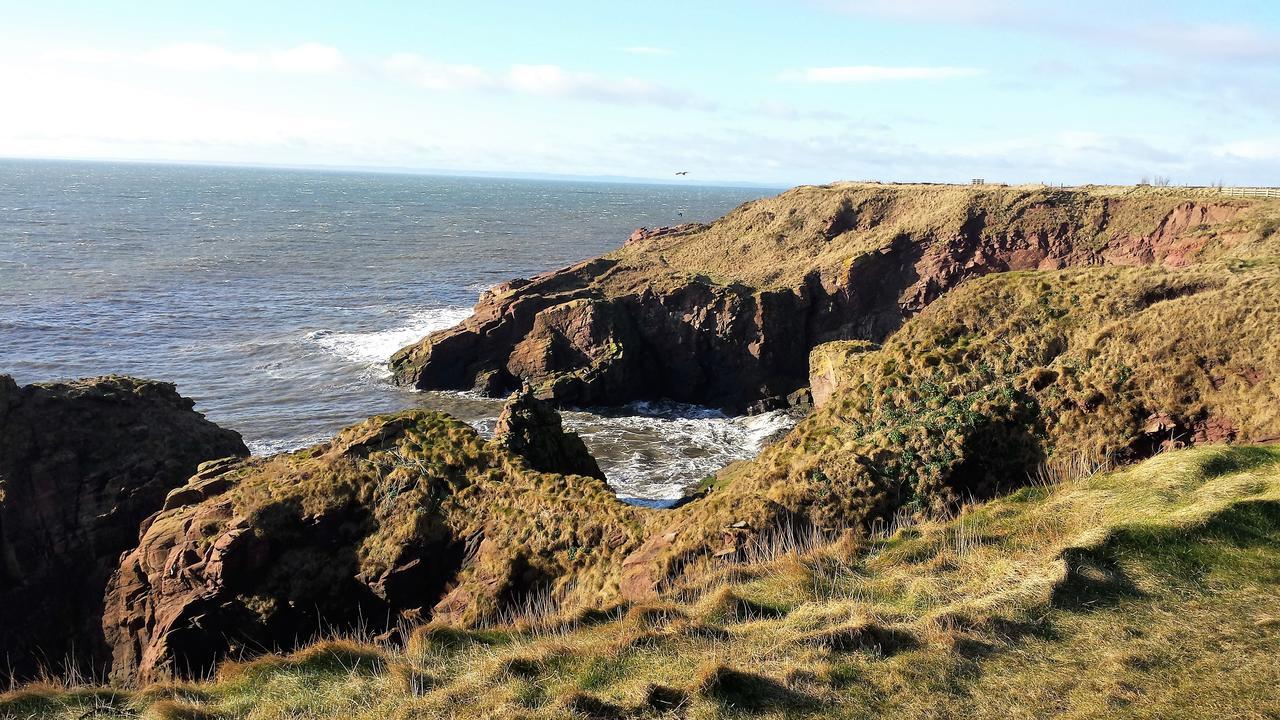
{"x": 1146, "y": 592}
{"x": 778, "y": 242}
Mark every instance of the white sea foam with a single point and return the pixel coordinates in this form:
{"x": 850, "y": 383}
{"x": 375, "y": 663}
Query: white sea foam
{"x": 658, "y": 450}
{"x": 374, "y": 347}
{"x": 266, "y": 448}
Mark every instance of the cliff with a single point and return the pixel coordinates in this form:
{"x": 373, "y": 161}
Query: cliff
{"x": 82, "y": 463}
{"x": 961, "y": 344}
{"x": 726, "y": 314}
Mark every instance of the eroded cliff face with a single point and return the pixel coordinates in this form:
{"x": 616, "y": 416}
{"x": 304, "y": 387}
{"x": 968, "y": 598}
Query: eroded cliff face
{"x": 403, "y": 517}
{"x": 726, "y": 314}
{"x": 82, "y": 463}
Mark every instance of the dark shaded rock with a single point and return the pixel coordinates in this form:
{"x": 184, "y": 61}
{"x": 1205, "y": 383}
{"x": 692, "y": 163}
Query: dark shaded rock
{"x": 643, "y": 234}
{"x": 82, "y": 463}
{"x": 531, "y": 428}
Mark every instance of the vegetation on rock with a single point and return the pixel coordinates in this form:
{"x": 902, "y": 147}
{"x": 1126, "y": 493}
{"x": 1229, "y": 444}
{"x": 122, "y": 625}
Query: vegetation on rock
{"x": 1005, "y": 376}
{"x": 397, "y": 519}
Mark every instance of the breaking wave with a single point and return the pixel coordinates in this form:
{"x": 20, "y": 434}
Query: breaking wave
{"x": 374, "y": 348}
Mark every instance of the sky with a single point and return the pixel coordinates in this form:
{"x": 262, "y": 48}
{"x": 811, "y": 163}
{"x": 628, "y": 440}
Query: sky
{"x": 762, "y": 91}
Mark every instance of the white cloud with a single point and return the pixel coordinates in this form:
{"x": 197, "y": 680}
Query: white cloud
{"x": 647, "y": 50}
{"x": 434, "y": 75}
{"x": 1258, "y": 149}
{"x": 876, "y": 73}
{"x": 1144, "y": 25}
{"x": 537, "y": 81}
{"x": 208, "y": 57}
{"x": 933, "y": 10}
{"x": 308, "y": 57}
{"x": 1209, "y": 41}
{"x": 555, "y": 81}
{"x": 199, "y": 57}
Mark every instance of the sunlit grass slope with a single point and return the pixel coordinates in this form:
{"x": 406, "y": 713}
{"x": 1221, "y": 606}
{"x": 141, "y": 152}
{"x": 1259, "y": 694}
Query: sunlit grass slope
{"x": 1148, "y": 591}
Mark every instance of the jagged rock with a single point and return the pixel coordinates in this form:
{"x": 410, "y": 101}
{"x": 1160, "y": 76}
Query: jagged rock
{"x": 366, "y": 530}
{"x": 82, "y": 463}
{"x": 726, "y": 314}
{"x": 532, "y": 429}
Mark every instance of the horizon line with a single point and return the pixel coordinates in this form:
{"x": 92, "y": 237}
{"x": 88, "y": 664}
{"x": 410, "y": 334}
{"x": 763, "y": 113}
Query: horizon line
{"x": 409, "y": 170}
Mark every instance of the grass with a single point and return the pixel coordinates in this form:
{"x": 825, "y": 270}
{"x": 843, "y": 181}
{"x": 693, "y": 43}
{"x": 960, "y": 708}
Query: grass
{"x": 1146, "y": 591}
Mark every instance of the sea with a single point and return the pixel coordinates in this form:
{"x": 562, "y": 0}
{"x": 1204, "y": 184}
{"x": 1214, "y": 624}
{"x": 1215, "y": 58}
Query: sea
{"x": 274, "y": 297}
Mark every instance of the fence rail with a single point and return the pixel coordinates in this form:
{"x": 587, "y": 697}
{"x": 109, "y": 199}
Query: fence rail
{"x": 1252, "y": 192}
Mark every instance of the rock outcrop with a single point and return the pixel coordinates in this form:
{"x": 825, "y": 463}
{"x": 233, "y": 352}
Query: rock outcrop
{"x": 532, "y": 429}
{"x": 401, "y": 517}
{"x": 82, "y": 463}
{"x": 726, "y": 314}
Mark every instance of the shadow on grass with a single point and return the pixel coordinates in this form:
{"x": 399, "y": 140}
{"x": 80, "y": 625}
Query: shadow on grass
{"x": 749, "y": 692}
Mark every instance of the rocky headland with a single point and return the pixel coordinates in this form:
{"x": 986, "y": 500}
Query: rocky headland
{"x": 725, "y": 314}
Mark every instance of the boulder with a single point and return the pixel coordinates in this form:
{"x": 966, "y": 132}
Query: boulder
{"x": 82, "y": 463}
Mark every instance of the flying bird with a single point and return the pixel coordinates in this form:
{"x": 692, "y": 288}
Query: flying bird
{"x": 683, "y": 172}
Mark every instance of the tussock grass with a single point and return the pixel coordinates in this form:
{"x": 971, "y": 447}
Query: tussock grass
{"x": 1145, "y": 591}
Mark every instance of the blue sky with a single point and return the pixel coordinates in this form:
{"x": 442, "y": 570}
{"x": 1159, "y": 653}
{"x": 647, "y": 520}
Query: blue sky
{"x": 759, "y": 90}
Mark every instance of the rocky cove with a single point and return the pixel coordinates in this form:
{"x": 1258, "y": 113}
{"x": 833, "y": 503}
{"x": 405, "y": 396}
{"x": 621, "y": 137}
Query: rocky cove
{"x": 954, "y": 339}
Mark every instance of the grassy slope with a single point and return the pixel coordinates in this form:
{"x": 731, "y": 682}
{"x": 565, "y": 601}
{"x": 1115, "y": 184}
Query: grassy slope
{"x": 1144, "y": 592}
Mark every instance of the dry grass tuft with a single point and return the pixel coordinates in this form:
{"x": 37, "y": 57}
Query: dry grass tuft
{"x": 172, "y": 710}
{"x": 325, "y": 657}
{"x": 726, "y": 606}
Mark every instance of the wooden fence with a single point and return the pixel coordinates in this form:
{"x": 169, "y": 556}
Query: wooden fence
{"x": 1266, "y": 192}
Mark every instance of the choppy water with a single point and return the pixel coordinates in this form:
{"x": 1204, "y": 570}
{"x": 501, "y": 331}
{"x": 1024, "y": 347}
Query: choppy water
{"x": 274, "y": 297}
